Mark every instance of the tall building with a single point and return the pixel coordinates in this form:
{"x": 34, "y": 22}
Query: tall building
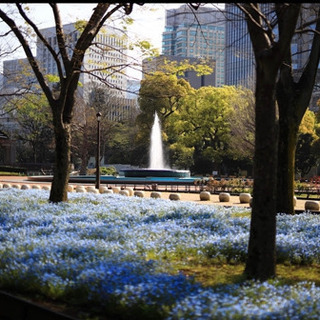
{"x": 239, "y": 56}
{"x": 197, "y": 33}
{"x": 102, "y": 61}
{"x": 102, "y": 66}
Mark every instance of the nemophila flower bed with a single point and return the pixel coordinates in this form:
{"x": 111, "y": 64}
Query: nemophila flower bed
{"x": 95, "y": 250}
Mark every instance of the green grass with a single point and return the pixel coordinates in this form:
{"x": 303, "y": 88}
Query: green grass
{"x": 220, "y": 274}
{"x": 307, "y": 196}
{"x": 2, "y": 173}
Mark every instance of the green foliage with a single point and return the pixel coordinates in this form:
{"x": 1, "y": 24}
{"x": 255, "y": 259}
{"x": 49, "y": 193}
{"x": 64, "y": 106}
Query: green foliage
{"x": 308, "y": 123}
{"x": 242, "y": 124}
{"x": 145, "y": 48}
{"x": 52, "y": 78}
{"x": 307, "y": 148}
{"x": 162, "y": 93}
{"x": 196, "y": 123}
{"x": 80, "y": 25}
{"x": 203, "y": 124}
{"x": 181, "y": 156}
{"x": 202, "y": 67}
{"x": 33, "y": 115}
{"x": 305, "y": 156}
{"x": 111, "y": 171}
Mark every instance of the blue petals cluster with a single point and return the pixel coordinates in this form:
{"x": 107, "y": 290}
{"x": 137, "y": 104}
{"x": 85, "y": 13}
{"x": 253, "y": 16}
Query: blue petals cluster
{"x": 98, "y": 249}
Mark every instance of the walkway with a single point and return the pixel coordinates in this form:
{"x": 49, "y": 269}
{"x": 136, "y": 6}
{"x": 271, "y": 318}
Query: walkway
{"x": 184, "y": 196}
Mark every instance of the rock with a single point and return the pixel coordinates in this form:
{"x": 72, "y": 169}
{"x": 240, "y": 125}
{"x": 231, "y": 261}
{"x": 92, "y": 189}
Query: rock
{"x": 204, "y": 195}
{"x": 224, "y": 197}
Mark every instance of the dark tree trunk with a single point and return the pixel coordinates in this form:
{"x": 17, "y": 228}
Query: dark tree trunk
{"x": 288, "y": 132}
{"x": 293, "y": 100}
{"x": 261, "y": 263}
{"x": 59, "y": 187}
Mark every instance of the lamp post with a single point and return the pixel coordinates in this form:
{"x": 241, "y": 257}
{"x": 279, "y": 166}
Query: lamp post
{"x": 98, "y": 115}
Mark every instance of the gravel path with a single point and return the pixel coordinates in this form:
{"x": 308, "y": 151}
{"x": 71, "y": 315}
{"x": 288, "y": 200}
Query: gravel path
{"x": 195, "y": 197}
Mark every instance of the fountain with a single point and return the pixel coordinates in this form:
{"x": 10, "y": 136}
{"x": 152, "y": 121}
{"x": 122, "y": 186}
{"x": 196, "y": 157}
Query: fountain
{"x": 157, "y": 167}
{"x": 156, "y": 160}
{"x": 157, "y": 172}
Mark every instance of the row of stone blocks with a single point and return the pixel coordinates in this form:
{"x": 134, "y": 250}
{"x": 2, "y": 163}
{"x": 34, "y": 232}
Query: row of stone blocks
{"x": 22, "y": 186}
{"x": 225, "y": 197}
{"x": 310, "y": 205}
{"x": 92, "y": 189}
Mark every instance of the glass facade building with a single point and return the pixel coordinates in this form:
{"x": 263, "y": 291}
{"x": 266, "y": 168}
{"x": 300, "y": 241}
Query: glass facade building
{"x": 239, "y": 56}
{"x": 197, "y": 33}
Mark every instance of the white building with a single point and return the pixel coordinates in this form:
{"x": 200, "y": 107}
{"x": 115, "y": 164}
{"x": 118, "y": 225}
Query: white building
{"x": 103, "y": 61}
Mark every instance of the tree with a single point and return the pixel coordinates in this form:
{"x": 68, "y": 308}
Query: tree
{"x": 161, "y": 93}
{"x": 307, "y": 149}
{"x": 202, "y": 125}
{"x": 270, "y": 52}
{"x": 34, "y": 130}
{"x": 305, "y": 159}
{"x": 69, "y": 67}
{"x": 293, "y": 96}
{"x": 243, "y": 125}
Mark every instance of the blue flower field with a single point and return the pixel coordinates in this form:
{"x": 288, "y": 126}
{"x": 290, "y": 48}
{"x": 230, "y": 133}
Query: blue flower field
{"x": 112, "y": 253}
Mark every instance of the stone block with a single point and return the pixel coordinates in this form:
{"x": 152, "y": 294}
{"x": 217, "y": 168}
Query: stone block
{"x": 155, "y": 195}
{"x": 244, "y": 197}
{"x": 139, "y": 194}
{"x": 224, "y": 197}
{"x": 124, "y": 192}
{"x": 81, "y": 189}
{"x": 116, "y": 189}
{"x": 311, "y": 205}
{"x": 174, "y": 196}
{"x": 130, "y": 190}
{"x": 205, "y": 196}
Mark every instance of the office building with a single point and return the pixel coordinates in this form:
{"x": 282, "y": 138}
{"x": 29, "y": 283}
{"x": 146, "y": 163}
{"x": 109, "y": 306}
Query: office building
{"x": 239, "y": 58}
{"x": 101, "y": 62}
{"x": 197, "y": 33}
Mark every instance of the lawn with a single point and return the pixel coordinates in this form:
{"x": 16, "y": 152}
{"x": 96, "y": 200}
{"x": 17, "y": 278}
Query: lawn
{"x": 138, "y": 258}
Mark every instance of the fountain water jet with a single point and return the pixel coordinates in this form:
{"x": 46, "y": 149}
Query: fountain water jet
{"x": 156, "y": 160}
{"x": 157, "y": 167}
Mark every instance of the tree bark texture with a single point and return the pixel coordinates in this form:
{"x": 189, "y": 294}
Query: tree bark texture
{"x": 293, "y": 99}
{"x": 261, "y": 262}
{"x": 269, "y": 54}
{"x": 288, "y": 132}
{"x": 59, "y": 187}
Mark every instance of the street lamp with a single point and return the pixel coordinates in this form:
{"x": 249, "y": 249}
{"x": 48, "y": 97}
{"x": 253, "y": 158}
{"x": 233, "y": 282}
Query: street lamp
{"x": 98, "y": 115}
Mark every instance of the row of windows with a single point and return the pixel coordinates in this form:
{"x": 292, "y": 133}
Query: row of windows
{"x": 197, "y": 32}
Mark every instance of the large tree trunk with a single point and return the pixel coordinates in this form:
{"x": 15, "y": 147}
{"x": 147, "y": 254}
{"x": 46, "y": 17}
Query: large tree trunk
{"x": 289, "y": 123}
{"x": 59, "y": 187}
{"x": 261, "y": 262}
{"x": 293, "y": 100}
